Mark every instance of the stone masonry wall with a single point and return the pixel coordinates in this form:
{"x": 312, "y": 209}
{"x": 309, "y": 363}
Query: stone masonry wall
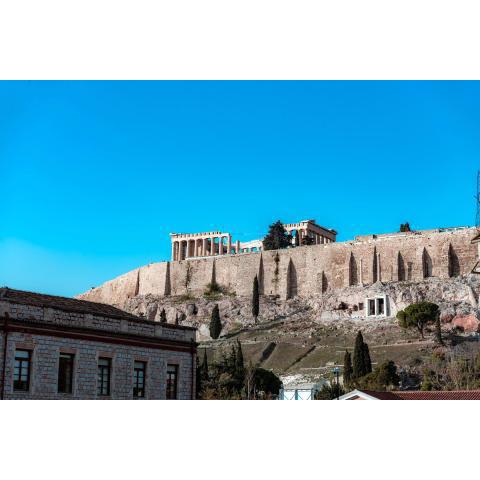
{"x": 46, "y": 350}
{"x": 45, "y": 358}
{"x": 304, "y": 271}
{"x": 60, "y": 317}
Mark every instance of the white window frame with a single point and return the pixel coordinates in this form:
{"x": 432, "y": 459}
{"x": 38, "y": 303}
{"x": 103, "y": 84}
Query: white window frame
{"x": 376, "y": 313}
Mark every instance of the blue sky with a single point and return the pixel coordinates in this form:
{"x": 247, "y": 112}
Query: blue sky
{"x": 96, "y": 174}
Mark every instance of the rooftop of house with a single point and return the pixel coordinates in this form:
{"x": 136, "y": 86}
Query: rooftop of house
{"x": 62, "y": 303}
{"x": 67, "y": 304}
{"x": 412, "y": 395}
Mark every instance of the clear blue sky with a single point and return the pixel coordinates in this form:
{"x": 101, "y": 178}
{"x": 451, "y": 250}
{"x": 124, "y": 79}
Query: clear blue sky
{"x": 96, "y": 174}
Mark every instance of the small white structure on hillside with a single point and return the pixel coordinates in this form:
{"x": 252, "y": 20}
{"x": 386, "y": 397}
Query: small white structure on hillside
{"x": 302, "y": 391}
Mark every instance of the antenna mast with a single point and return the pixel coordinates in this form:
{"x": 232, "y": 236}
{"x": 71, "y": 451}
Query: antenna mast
{"x": 477, "y": 199}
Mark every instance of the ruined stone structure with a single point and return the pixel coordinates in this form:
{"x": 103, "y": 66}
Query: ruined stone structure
{"x": 308, "y": 228}
{"x": 307, "y": 271}
{"x": 209, "y": 244}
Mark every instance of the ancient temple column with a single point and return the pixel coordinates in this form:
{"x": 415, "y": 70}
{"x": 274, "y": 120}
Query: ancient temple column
{"x": 212, "y": 246}
{"x": 173, "y": 251}
{"x": 220, "y": 246}
{"x": 237, "y": 249}
{"x": 204, "y": 247}
{"x": 299, "y": 233}
{"x": 229, "y": 244}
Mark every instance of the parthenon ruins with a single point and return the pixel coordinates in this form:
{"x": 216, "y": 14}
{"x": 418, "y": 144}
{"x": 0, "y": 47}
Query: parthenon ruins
{"x": 207, "y": 244}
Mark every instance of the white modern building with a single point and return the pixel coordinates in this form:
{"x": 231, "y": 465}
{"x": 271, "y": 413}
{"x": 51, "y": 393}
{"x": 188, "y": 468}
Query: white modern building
{"x": 303, "y": 391}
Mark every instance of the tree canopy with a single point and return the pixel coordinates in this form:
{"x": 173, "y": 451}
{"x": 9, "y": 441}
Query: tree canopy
{"x": 277, "y": 237}
{"x": 228, "y": 378}
{"x": 362, "y": 364}
{"x": 330, "y": 392}
{"x": 418, "y": 315}
{"x": 384, "y": 377}
{"x": 347, "y": 368}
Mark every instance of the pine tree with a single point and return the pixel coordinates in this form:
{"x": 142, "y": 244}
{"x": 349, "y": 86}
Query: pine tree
{"x": 277, "y": 237}
{"x": 215, "y": 323}
{"x": 163, "y": 316}
{"x": 347, "y": 368}
{"x": 255, "y": 299}
{"x": 367, "y": 362}
{"x": 358, "y": 357}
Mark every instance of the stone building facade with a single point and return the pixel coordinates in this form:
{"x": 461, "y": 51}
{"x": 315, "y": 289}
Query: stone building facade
{"x": 306, "y": 270}
{"x": 63, "y": 348}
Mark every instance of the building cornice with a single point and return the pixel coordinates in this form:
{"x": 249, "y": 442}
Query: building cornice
{"x": 96, "y": 335}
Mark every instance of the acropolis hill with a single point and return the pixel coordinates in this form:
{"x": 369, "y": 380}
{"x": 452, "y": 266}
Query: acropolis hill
{"x": 305, "y": 271}
{"x": 314, "y": 298}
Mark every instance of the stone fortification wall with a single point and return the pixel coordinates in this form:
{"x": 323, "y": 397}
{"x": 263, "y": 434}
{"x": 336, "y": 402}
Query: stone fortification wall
{"x": 305, "y": 271}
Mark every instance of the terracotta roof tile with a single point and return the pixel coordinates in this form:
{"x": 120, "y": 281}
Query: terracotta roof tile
{"x": 439, "y": 395}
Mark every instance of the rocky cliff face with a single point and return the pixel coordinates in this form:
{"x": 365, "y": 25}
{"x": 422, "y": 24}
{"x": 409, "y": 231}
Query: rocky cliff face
{"x": 303, "y": 336}
{"x": 455, "y": 296}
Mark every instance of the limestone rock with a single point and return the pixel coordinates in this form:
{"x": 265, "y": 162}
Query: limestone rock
{"x": 468, "y": 323}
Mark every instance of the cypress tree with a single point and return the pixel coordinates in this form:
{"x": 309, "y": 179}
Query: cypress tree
{"x": 367, "y": 363}
{"x": 199, "y": 386}
{"x": 239, "y": 355}
{"x": 358, "y": 357}
{"x": 239, "y": 367}
{"x": 163, "y": 316}
{"x": 438, "y": 330}
{"x": 347, "y": 368}
{"x": 176, "y": 318}
{"x": 215, "y": 324}
{"x": 255, "y": 299}
{"x": 205, "y": 376}
{"x": 232, "y": 360}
